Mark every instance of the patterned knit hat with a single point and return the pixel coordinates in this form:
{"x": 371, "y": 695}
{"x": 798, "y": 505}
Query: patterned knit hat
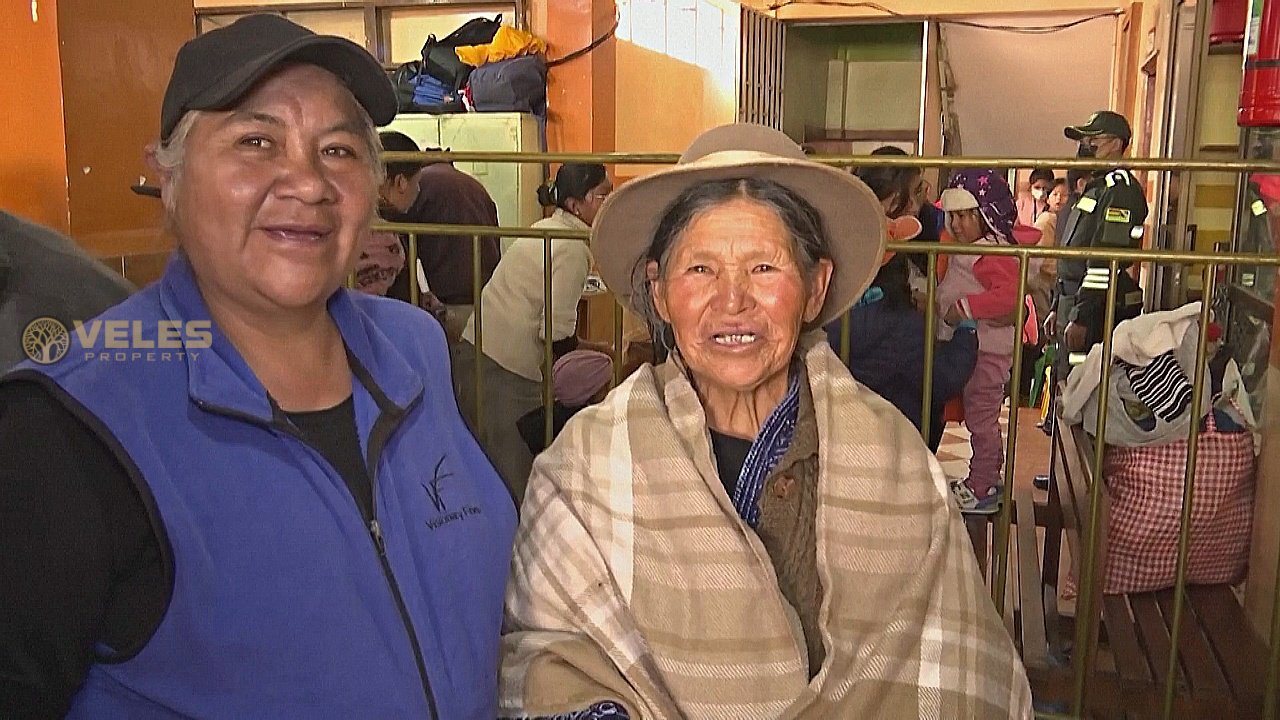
{"x": 579, "y": 375}
{"x": 995, "y": 200}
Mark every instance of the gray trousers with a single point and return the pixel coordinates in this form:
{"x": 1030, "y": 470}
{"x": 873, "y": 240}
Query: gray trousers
{"x": 455, "y": 320}
{"x": 507, "y": 397}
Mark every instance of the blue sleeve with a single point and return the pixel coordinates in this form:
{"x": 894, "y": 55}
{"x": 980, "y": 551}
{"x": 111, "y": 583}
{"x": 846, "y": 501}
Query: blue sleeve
{"x": 953, "y": 364}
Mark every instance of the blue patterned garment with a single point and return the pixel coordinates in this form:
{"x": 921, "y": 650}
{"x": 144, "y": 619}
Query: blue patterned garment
{"x": 599, "y": 711}
{"x": 769, "y": 447}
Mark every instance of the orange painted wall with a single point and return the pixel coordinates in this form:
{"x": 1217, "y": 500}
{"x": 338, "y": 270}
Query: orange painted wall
{"x": 83, "y": 82}
{"x": 32, "y": 165}
{"x": 116, "y": 61}
{"x": 580, "y": 93}
{"x": 665, "y": 115}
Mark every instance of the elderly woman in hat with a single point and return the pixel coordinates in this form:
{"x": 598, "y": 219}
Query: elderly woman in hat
{"x": 744, "y": 531}
{"x": 262, "y": 502}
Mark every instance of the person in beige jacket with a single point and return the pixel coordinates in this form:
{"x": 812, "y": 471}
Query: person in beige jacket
{"x": 744, "y": 532}
{"x": 513, "y": 306}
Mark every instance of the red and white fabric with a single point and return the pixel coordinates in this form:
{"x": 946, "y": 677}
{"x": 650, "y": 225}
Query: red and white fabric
{"x": 1145, "y": 487}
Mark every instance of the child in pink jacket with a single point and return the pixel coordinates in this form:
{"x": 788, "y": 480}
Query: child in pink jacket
{"x": 980, "y": 210}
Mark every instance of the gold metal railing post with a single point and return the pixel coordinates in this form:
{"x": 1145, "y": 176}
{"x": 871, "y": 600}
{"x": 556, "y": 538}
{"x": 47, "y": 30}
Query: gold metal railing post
{"x": 1000, "y": 541}
{"x": 1086, "y": 614}
{"x": 548, "y": 396}
{"x": 415, "y": 292}
{"x": 846, "y": 330}
{"x": 477, "y": 313}
{"x": 1208, "y": 277}
{"x": 930, "y": 330}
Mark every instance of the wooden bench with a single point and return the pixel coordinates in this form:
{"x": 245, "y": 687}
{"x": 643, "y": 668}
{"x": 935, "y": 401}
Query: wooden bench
{"x": 1221, "y": 662}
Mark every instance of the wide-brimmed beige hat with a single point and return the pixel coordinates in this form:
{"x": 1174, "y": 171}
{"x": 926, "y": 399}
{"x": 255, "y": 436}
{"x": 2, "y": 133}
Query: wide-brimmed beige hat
{"x": 851, "y": 215}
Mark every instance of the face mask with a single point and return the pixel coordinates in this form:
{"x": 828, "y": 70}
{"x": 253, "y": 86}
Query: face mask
{"x": 1037, "y": 193}
{"x": 1086, "y": 151}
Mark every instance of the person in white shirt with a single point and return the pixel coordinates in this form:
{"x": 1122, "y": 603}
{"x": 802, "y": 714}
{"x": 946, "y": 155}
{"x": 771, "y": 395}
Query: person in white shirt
{"x": 513, "y": 311}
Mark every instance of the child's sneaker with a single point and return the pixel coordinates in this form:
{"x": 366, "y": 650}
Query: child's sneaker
{"x": 970, "y": 504}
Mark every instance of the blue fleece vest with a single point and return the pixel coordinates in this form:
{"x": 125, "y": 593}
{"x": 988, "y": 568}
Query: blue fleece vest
{"x": 281, "y": 607}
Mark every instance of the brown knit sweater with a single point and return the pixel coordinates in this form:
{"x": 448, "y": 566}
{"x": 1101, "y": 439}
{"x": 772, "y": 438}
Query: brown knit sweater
{"x": 788, "y": 515}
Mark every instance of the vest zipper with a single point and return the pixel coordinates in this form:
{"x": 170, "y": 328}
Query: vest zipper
{"x": 382, "y": 428}
{"x": 375, "y": 531}
{"x": 377, "y": 439}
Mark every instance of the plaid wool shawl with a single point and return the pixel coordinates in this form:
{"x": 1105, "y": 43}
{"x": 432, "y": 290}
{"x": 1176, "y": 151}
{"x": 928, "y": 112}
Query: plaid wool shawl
{"x": 635, "y": 580}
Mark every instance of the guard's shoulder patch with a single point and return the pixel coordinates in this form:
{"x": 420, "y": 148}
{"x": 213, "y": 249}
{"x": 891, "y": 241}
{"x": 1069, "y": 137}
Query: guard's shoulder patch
{"x": 1117, "y": 215}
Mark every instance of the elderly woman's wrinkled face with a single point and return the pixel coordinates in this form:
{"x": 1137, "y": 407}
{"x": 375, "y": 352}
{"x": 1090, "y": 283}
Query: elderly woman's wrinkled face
{"x": 276, "y": 195}
{"x": 736, "y": 298}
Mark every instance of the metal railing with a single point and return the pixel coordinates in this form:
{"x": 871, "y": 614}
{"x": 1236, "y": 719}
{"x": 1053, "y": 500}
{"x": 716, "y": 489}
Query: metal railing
{"x": 1087, "y": 616}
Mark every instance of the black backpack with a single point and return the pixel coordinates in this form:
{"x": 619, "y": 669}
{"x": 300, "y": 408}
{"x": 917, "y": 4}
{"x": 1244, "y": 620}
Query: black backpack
{"x": 515, "y": 85}
{"x": 404, "y": 78}
{"x": 441, "y": 62}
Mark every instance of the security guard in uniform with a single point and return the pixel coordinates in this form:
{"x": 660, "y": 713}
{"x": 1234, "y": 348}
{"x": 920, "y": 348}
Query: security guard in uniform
{"x": 1109, "y": 214}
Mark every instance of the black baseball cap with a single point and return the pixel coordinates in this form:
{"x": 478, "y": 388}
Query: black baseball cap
{"x": 1103, "y": 122}
{"x": 216, "y": 69}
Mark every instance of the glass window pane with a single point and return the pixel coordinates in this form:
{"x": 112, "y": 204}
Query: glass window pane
{"x": 649, "y": 24}
{"x": 682, "y": 32}
{"x": 624, "y": 19}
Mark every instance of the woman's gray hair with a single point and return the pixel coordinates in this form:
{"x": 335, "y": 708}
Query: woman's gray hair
{"x": 171, "y": 154}
{"x": 803, "y": 222}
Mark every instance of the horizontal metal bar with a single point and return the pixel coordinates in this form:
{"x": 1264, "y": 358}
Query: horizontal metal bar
{"x": 439, "y": 229}
{"x": 534, "y": 157}
{"x": 1168, "y": 256}
{"x": 1062, "y": 163}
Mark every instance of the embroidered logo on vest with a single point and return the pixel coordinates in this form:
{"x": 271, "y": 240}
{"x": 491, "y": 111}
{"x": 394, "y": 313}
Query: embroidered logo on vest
{"x": 435, "y": 493}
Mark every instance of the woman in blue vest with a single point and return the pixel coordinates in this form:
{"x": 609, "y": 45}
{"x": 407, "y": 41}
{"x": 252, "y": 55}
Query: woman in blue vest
{"x": 247, "y": 492}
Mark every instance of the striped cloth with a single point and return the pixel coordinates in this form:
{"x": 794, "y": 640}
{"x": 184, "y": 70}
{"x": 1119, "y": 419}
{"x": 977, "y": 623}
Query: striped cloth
{"x": 635, "y": 580}
{"x": 599, "y": 711}
{"x": 1161, "y": 385}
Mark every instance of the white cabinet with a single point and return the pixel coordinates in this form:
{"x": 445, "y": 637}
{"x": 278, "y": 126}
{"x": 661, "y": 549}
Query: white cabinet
{"x": 422, "y": 129}
{"x": 513, "y": 186}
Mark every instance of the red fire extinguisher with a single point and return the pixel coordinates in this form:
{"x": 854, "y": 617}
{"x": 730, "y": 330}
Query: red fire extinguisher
{"x": 1260, "y": 91}
{"x": 1228, "y": 20}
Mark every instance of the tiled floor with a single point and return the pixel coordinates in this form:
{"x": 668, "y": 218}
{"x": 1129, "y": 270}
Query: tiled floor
{"x": 1032, "y": 452}
{"x": 1031, "y": 459}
